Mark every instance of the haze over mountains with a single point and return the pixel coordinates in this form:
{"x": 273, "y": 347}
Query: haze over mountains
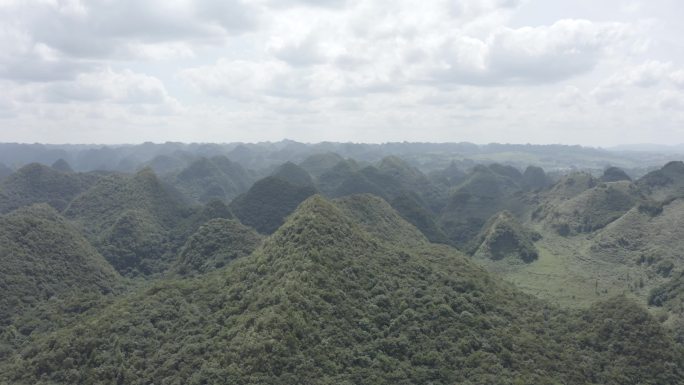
{"x": 340, "y": 263}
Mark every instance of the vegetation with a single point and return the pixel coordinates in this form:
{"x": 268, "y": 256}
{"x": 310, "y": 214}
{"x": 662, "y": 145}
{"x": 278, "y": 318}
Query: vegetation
{"x": 267, "y": 203}
{"x": 5, "y": 171}
{"x": 504, "y": 237}
{"x": 43, "y": 257}
{"x": 62, "y": 166}
{"x": 36, "y": 183}
{"x": 136, "y": 222}
{"x": 593, "y": 208}
{"x": 318, "y": 164}
{"x": 486, "y": 191}
{"x": 534, "y": 178}
{"x": 214, "y": 245}
{"x": 666, "y": 183}
{"x": 214, "y": 178}
{"x": 291, "y": 173}
{"x": 614, "y": 174}
{"x": 363, "y": 288}
{"x": 324, "y": 301}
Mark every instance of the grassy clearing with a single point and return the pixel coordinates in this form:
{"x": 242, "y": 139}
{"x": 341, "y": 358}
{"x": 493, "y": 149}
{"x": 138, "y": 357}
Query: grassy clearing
{"x": 564, "y": 274}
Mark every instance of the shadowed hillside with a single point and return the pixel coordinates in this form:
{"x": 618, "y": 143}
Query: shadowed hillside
{"x": 131, "y": 220}
{"x": 504, "y": 237}
{"x": 318, "y": 164}
{"x": 36, "y": 183}
{"x": 267, "y": 203}
{"x": 212, "y": 178}
{"x": 664, "y": 184}
{"x": 5, "y": 171}
{"x": 42, "y": 257}
{"x": 486, "y": 191}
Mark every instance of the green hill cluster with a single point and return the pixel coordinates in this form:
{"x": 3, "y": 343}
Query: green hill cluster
{"x": 344, "y": 266}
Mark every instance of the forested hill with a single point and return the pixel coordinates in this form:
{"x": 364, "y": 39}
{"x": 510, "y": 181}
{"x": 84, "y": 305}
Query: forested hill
{"x": 217, "y": 266}
{"x": 325, "y": 301}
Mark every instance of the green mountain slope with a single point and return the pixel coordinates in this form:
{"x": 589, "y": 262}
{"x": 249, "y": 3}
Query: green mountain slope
{"x": 322, "y": 301}
{"x": 448, "y": 177}
{"x": 131, "y": 221}
{"x": 593, "y": 208}
{"x": 43, "y": 256}
{"x": 329, "y": 182}
{"x": 37, "y": 183}
{"x": 504, "y": 237}
{"x": 318, "y": 164}
{"x": 5, "y": 171}
{"x": 379, "y": 219}
{"x": 664, "y": 184}
{"x": 648, "y": 234}
{"x": 267, "y": 203}
{"x": 62, "y": 166}
{"x": 296, "y": 175}
{"x": 534, "y": 178}
{"x": 214, "y": 245}
{"x": 486, "y": 191}
{"x": 614, "y": 174}
{"x": 212, "y": 178}
{"x": 407, "y": 189}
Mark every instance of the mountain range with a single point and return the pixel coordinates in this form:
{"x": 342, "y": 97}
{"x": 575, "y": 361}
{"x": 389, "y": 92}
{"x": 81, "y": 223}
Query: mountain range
{"x": 210, "y": 264}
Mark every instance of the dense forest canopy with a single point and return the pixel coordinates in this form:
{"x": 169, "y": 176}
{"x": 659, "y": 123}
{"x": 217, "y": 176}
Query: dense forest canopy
{"x": 338, "y": 263}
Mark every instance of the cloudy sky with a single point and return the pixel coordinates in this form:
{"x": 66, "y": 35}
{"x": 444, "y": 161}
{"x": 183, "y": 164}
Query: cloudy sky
{"x": 522, "y": 71}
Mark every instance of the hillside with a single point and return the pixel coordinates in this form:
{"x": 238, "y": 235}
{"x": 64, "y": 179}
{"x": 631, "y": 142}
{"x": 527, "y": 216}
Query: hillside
{"x": 378, "y": 218}
{"x": 670, "y": 295}
{"x": 406, "y": 188}
{"x": 212, "y": 178}
{"x": 614, "y": 174}
{"x": 534, "y": 178}
{"x": 448, "y": 177}
{"x": 291, "y": 173}
{"x": 665, "y": 183}
{"x": 62, "y": 165}
{"x": 592, "y": 209}
{"x": 44, "y": 257}
{"x": 486, "y": 191}
{"x": 267, "y": 203}
{"x": 214, "y": 245}
{"x": 130, "y": 219}
{"x": 325, "y": 302}
{"x": 649, "y": 234}
{"x": 37, "y": 183}
{"x": 504, "y": 237}
{"x": 5, "y": 171}
{"x": 318, "y": 164}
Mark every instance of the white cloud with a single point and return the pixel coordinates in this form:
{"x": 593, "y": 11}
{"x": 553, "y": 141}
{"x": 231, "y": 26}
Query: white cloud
{"x": 54, "y": 40}
{"x": 671, "y": 100}
{"x": 677, "y": 78}
{"x": 345, "y": 69}
{"x": 108, "y": 86}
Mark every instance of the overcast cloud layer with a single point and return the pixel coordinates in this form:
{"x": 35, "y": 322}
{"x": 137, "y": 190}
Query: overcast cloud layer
{"x": 538, "y": 71}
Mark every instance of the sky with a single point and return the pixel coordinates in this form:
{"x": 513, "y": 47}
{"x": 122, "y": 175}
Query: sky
{"x": 598, "y": 73}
